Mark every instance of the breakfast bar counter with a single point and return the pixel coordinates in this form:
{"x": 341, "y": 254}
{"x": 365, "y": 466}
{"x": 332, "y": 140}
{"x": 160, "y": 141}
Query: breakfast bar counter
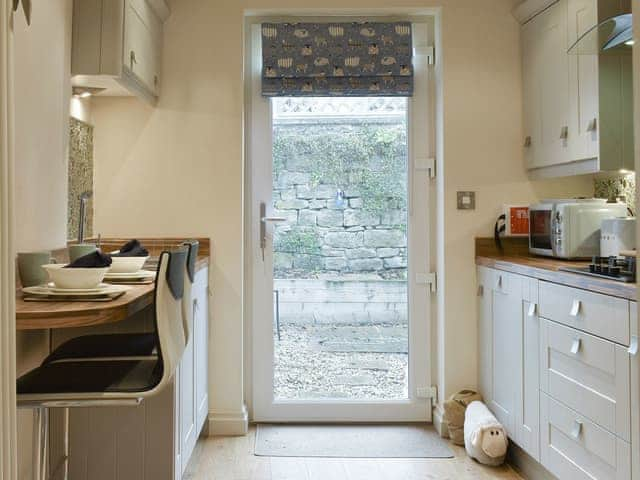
{"x": 45, "y": 315}
{"x": 35, "y": 315}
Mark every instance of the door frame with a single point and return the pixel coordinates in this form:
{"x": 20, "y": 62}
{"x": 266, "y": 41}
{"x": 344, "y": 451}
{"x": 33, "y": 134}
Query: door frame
{"x": 8, "y": 428}
{"x": 419, "y": 406}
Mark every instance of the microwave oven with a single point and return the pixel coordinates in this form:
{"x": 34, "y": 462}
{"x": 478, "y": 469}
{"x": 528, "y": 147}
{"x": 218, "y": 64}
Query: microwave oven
{"x": 569, "y": 229}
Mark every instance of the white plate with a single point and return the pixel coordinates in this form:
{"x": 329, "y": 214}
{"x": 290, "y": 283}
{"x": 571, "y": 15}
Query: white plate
{"x": 52, "y": 286}
{"x": 44, "y": 290}
{"x": 128, "y": 276}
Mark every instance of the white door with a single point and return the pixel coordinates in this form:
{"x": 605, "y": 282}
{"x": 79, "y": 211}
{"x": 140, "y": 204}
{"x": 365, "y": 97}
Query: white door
{"x": 339, "y": 244}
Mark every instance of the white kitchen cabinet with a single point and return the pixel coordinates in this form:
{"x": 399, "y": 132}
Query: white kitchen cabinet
{"x": 551, "y": 71}
{"x": 577, "y": 109}
{"x": 192, "y": 390}
{"x": 635, "y": 390}
{"x": 485, "y": 331}
{"x": 117, "y": 46}
{"x": 559, "y": 367}
{"x": 531, "y": 93}
{"x": 575, "y": 448}
{"x": 155, "y": 440}
{"x": 506, "y": 348}
{"x": 201, "y": 349}
{"x": 528, "y": 406}
{"x": 583, "y": 83}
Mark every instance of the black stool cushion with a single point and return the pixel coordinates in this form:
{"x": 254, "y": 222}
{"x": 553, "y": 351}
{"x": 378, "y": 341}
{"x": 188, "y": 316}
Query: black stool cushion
{"x": 109, "y": 376}
{"x": 105, "y": 345}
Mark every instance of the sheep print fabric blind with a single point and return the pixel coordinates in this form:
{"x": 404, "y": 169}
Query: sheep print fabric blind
{"x": 337, "y": 59}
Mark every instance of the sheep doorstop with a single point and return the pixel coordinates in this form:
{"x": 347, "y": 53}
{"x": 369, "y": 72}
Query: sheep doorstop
{"x": 454, "y": 409}
{"x": 484, "y": 438}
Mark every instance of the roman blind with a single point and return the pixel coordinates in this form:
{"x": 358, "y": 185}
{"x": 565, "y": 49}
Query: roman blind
{"x": 341, "y": 59}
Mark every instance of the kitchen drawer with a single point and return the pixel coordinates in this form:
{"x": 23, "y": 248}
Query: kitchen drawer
{"x": 602, "y": 315}
{"x": 507, "y": 283}
{"x": 574, "y": 448}
{"x": 588, "y": 374}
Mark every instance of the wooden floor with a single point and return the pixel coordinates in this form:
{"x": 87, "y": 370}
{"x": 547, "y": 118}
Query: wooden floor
{"x": 232, "y": 458}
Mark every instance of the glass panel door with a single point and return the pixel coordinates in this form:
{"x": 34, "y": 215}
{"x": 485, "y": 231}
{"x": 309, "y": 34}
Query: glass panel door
{"x": 340, "y": 255}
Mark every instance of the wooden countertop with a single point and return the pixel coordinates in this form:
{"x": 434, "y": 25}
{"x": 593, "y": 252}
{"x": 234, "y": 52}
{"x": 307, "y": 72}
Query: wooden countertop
{"x": 547, "y": 269}
{"x": 45, "y": 315}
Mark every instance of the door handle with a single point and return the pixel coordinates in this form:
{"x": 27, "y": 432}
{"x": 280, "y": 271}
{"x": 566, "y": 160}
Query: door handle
{"x": 264, "y": 219}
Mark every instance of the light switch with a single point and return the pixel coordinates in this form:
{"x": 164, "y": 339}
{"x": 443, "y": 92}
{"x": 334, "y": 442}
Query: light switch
{"x": 466, "y": 200}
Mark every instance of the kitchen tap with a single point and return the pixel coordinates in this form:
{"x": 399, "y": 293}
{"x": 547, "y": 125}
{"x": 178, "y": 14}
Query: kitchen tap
{"x": 84, "y": 198}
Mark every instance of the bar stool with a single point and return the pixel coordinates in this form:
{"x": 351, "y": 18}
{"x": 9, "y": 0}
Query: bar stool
{"x": 111, "y": 382}
{"x": 130, "y": 344}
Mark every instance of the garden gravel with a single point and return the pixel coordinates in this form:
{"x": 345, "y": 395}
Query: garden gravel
{"x": 364, "y": 362}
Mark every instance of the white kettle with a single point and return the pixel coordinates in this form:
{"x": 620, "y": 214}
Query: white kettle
{"x": 616, "y": 235}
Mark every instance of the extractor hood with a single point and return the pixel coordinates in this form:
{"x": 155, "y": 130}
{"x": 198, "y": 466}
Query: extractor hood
{"x": 614, "y": 34}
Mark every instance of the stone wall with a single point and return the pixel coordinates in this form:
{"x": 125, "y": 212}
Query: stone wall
{"x": 360, "y": 234}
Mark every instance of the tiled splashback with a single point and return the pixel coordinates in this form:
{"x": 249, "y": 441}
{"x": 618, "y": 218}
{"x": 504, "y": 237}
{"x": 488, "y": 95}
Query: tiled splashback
{"x": 618, "y": 186}
{"x": 80, "y": 175}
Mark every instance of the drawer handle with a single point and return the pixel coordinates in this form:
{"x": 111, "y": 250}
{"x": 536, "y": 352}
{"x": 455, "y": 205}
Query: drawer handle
{"x": 531, "y": 312}
{"x": 575, "y": 308}
{"x": 577, "y": 429}
{"x": 633, "y": 345}
{"x": 576, "y": 345}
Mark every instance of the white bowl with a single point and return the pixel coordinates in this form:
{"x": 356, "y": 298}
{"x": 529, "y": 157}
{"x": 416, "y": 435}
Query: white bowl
{"x": 75, "y": 277}
{"x": 127, "y": 264}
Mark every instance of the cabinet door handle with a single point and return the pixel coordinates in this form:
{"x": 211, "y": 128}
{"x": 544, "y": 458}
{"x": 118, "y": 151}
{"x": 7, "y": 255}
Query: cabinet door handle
{"x": 593, "y": 125}
{"x": 527, "y": 142}
{"x": 564, "y": 133}
{"x": 575, "y": 308}
{"x": 577, "y": 429}
{"x": 576, "y": 345}
{"x": 499, "y": 283}
{"x": 132, "y": 58}
{"x": 633, "y": 345}
{"x": 480, "y": 290}
{"x": 531, "y": 312}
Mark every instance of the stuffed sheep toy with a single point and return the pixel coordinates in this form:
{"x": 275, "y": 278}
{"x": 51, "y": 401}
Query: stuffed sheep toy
{"x": 484, "y": 437}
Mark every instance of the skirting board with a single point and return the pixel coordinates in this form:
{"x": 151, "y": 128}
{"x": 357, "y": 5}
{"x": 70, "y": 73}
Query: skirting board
{"x": 438, "y": 421}
{"x": 229, "y": 423}
{"x": 526, "y": 465}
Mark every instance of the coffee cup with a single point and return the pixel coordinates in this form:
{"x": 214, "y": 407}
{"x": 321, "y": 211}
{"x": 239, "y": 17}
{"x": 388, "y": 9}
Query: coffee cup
{"x": 30, "y": 267}
{"x": 80, "y": 250}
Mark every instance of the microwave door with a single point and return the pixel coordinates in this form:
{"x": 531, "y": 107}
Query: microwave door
{"x": 540, "y": 228}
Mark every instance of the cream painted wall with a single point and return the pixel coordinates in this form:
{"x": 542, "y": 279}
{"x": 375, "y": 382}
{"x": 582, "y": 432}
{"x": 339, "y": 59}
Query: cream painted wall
{"x": 177, "y": 169}
{"x": 42, "y": 72}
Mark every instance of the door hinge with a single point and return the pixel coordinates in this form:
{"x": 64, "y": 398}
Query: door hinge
{"x": 427, "y": 279}
{"x": 427, "y": 392}
{"x": 428, "y": 164}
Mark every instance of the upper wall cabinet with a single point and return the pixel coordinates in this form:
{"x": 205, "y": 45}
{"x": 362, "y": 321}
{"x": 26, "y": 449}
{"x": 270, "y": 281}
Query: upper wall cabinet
{"x": 578, "y": 109}
{"x": 117, "y": 46}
